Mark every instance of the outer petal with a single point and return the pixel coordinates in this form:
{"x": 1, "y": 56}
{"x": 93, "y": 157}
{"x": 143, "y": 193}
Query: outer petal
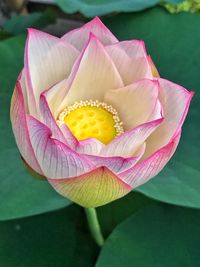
{"x": 79, "y": 37}
{"x": 131, "y": 60}
{"x": 93, "y": 189}
{"x": 20, "y": 130}
{"x": 47, "y": 61}
{"x": 175, "y": 102}
{"x": 55, "y": 158}
{"x": 117, "y": 164}
{"x": 134, "y": 103}
{"x": 145, "y": 170}
{"x": 128, "y": 143}
{"x": 93, "y": 74}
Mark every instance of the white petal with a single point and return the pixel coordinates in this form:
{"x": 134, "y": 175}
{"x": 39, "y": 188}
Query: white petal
{"x": 128, "y": 143}
{"x": 79, "y": 37}
{"x": 175, "y": 101}
{"x": 131, "y": 60}
{"x": 93, "y": 74}
{"x": 134, "y": 103}
{"x": 47, "y": 61}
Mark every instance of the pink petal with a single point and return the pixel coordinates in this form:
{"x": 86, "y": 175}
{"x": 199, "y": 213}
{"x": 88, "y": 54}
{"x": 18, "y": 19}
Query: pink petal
{"x": 48, "y": 119}
{"x": 92, "y": 189}
{"x": 22, "y": 80}
{"x": 147, "y": 169}
{"x": 157, "y": 111}
{"x": 55, "y": 94}
{"x": 89, "y": 146}
{"x": 135, "y": 102}
{"x": 129, "y": 142}
{"x": 20, "y": 130}
{"x": 55, "y": 158}
{"x": 93, "y": 74}
{"x": 175, "y": 101}
{"x": 71, "y": 140}
{"x": 47, "y": 60}
{"x": 131, "y": 60}
{"x": 116, "y": 164}
{"x": 79, "y": 37}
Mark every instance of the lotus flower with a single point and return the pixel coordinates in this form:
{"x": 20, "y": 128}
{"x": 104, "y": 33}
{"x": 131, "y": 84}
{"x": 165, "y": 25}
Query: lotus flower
{"x": 92, "y": 115}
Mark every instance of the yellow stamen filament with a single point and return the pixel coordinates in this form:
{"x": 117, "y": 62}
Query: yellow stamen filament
{"x": 92, "y": 119}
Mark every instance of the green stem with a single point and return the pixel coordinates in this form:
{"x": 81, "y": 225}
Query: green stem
{"x": 94, "y": 225}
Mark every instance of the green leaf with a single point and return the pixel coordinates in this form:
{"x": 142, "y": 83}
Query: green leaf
{"x": 114, "y": 213}
{"x": 18, "y": 24}
{"x": 91, "y": 8}
{"x": 4, "y": 34}
{"x": 173, "y": 1}
{"x": 157, "y": 236}
{"x": 58, "y": 239}
{"x": 172, "y": 43}
{"x": 20, "y": 194}
{"x": 11, "y": 63}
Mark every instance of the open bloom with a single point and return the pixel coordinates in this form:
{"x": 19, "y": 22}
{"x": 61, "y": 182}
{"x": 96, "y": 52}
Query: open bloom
{"x": 92, "y": 115}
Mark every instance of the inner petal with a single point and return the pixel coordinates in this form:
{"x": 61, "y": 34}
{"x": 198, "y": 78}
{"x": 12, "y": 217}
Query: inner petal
{"x": 92, "y": 119}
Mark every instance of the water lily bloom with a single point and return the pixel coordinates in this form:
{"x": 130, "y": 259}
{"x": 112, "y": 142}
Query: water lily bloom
{"x": 92, "y": 115}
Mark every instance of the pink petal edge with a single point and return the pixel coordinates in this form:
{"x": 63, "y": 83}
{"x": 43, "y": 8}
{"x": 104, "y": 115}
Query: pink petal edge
{"x": 131, "y": 60}
{"x": 150, "y": 167}
{"x": 78, "y": 37}
{"x": 20, "y": 129}
{"x": 56, "y": 159}
{"x": 117, "y": 164}
{"x": 102, "y": 68}
{"x": 59, "y": 57}
{"x": 128, "y": 143}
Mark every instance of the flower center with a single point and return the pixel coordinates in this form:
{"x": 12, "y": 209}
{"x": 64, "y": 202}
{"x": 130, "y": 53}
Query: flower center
{"x": 92, "y": 119}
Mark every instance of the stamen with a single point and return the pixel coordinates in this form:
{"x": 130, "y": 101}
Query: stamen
{"x": 83, "y": 117}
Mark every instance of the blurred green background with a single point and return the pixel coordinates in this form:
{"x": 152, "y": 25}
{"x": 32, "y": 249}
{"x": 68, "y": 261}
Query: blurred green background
{"x": 157, "y": 225}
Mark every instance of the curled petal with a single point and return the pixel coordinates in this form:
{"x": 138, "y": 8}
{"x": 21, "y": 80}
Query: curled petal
{"x": 147, "y": 169}
{"x": 48, "y": 119}
{"x": 157, "y": 111}
{"x": 129, "y": 142}
{"x": 92, "y": 189}
{"x": 20, "y": 130}
{"x": 135, "y": 102}
{"x": 55, "y": 94}
{"x": 71, "y": 140}
{"x": 47, "y": 61}
{"x": 55, "y": 158}
{"x": 175, "y": 101}
{"x": 115, "y": 163}
{"x": 89, "y": 146}
{"x": 131, "y": 60}
{"x": 79, "y": 37}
